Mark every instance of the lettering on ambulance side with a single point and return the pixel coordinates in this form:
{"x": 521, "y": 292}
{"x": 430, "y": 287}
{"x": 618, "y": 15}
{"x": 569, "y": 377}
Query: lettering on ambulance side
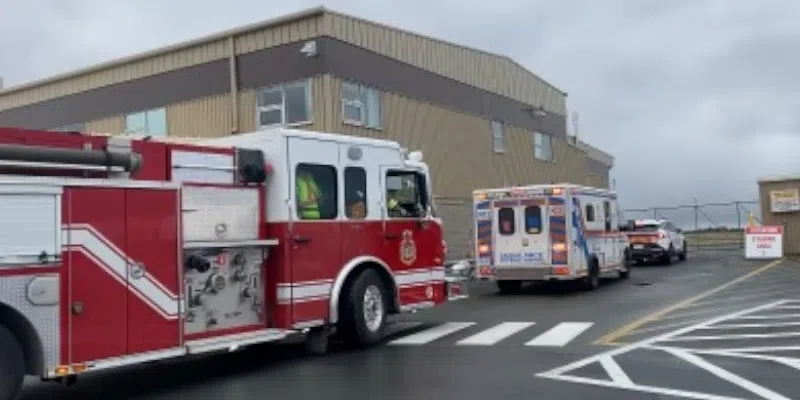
{"x": 528, "y": 257}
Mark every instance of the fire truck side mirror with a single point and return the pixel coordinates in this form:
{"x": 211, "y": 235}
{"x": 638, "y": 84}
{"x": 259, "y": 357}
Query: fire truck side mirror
{"x": 251, "y": 166}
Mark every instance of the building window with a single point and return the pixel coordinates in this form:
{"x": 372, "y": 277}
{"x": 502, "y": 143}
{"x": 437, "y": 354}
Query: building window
{"x": 543, "y": 146}
{"x": 355, "y": 192}
{"x": 72, "y": 128}
{"x": 150, "y": 122}
{"x": 316, "y": 191}
{"x": 361, "y": 105}
{"x": 506, "y": 221}
{"x": 498, "y": 137}
{"x": 287, "y": 104}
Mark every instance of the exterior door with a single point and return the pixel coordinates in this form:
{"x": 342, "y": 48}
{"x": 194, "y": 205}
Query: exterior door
{"x": 410, "y": 239}
{"x": 152, "y": 257}
{"x": 507, "y": 233}
{"x": 97, "y": 303}
{"x": 609, "y": 234}
{"x": 534, "y": 232}
{"x": 314, "y": 242}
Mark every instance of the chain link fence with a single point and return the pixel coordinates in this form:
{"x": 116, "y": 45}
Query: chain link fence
{"x": 708, "y": 225}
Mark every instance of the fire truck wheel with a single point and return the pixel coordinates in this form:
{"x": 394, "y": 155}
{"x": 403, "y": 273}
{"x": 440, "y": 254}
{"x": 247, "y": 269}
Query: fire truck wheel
{"x": 12, "y": 365}
{"x": 365, "y": 310}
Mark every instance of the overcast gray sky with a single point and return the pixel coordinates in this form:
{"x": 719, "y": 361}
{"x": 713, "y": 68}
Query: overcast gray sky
{"x": 695, "y": 98}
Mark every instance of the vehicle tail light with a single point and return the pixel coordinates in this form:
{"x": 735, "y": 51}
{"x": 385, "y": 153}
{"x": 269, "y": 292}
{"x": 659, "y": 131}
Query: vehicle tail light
{"x": 662, "y": 235}
{"x": 483, "y": 248}
{"x": 559, "y": 247}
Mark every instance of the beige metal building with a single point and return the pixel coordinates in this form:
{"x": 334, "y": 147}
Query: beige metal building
{"x": 780, "y": 205}
{"x": 482, "y": 119}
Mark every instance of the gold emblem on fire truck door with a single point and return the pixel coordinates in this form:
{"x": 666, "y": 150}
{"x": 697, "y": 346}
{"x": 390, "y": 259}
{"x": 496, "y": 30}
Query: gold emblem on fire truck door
{"x": 408, "y": 249}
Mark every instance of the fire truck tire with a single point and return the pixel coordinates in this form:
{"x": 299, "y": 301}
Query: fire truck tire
{"x": 365, "y": 310}
{"x": 12, "y": 365}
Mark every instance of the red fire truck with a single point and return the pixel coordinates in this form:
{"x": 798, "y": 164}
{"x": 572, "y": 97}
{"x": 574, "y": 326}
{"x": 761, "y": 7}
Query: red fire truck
{"x": 119, "y": 250}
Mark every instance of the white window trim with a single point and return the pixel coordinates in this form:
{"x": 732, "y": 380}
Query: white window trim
{"x": 281, "y": 88}
{"x": 536, "y": 146}
{"x": 362, "y": 107}
{"x": 146, "y": 130}
{"x": 504, "y": 148}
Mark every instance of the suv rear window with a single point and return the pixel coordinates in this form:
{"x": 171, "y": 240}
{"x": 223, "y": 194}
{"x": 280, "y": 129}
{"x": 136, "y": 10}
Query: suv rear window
{"x": 647, "y": 228}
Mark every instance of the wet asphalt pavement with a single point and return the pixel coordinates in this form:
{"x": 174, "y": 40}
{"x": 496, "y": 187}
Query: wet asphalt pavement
{"x": 621, "y": 342}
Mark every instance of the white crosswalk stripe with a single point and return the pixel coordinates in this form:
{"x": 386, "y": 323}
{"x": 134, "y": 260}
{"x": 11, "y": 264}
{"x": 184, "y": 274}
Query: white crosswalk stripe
{"x": 495, "y": 334}
{"x": 559, "y": 335}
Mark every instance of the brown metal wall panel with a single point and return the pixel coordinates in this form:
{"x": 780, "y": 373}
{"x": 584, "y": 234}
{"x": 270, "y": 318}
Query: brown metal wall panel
{"x": 790, "y": 221}
{"x": 247, "y": 111}
{"x": 353, "y": 63}
{"x": 201, "y": 118}
{"x": 277, "y": 65}
{"x": 596, "y": 167}
{"x": 155, "y": 91}
{"x": 112, "y": 125}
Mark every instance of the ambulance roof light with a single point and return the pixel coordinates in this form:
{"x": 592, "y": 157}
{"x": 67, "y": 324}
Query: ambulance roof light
{"x": 415, "y": 156}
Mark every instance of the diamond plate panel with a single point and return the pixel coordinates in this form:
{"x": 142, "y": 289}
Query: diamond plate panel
{"x": 44, "y": 318}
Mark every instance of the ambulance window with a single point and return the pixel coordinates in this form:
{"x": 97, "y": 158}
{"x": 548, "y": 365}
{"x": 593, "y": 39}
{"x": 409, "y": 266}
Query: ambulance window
{"x": 506, "y": 221}
{"x": 533, "y": 219}
{"x": 355, "y": 192}
{"x": 316, "y": 191}
{"x": 589, "y": 213}
{"x": 607, "y": 215}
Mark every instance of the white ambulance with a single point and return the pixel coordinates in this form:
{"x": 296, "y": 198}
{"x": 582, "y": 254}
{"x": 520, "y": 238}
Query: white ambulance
{"x": 556, "y": 232}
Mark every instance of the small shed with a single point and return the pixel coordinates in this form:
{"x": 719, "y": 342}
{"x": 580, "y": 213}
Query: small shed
{"x": 780, "y": 205}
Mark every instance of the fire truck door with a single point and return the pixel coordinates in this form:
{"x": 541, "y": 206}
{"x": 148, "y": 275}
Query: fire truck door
{"x": 314, "y": 237}
{"x": 152, "y": 250}
{"x": 410, "y": 239}
{"x": 97, "y": 295}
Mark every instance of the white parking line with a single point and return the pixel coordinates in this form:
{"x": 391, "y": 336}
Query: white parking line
{"x": 734, "y": 337}
{"x": 495, "y": 334}
{"x": 743, "y": 326}
{"x": 560, "y": 334}
{"x": 772, "y": 316}
{"x": 432, "y": 334}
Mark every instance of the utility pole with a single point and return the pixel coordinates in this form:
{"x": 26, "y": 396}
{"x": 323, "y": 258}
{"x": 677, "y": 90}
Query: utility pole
{"x": 696, "y": 210}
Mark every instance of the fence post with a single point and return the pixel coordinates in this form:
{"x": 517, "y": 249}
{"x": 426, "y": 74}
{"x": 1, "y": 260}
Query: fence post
{"x": 739, "y": 224}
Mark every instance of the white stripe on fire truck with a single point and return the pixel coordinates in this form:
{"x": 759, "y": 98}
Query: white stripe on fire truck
{"x": 318, "y": 290}
{"x": 112, "y": 260}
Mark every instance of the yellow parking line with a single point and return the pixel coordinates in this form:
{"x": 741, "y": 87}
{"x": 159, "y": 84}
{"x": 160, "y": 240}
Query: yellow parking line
{"x": 610, "y": 339}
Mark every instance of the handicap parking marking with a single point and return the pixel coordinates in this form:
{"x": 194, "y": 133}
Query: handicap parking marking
{"x": 674, "y": 343}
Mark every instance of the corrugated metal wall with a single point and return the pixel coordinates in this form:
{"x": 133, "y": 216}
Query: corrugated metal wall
{"x": 790, "y": 221}
{"x": 491, "y": 72}
{"x": 487, "y": 71}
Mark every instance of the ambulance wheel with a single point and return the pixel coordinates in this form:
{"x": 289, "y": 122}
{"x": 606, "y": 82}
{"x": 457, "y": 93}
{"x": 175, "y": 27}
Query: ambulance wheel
{"x": 592, "y": 281}
{"x": 684, "y": 253}
{"x": 626, "y": 263}
{"x": 12, "y": 365}
{"x": 509, "y": 287}
{"x": 364, "y": 317}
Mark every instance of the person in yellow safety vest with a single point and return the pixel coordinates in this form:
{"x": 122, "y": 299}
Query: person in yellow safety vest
{"x": 393, "y": 206}
{"x": 308, "y": 196}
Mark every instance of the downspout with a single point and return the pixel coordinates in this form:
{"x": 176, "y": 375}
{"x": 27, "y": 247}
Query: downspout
{"x": 234, "y": 82}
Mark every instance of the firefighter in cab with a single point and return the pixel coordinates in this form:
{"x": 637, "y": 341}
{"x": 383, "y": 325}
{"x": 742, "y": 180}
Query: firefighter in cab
{"x": 308, "y": 196}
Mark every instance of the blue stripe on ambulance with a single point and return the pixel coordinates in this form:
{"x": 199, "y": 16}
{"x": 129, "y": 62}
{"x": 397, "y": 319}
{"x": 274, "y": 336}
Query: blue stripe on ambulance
{"x": 577, "y": 223}
{"x": 483, "y": 229}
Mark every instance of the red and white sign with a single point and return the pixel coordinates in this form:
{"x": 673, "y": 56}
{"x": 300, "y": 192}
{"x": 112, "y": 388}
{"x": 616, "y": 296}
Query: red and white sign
{"x": 763, "y": 242}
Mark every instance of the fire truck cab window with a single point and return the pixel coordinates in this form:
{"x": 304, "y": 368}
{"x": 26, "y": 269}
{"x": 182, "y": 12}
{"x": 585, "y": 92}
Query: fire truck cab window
{"x": 355, "y": 192}
{"x": 506, "y": 221}
{"x": 316, "y": 192}
{"x": 533, "y": 219}
{"x": 406, "y": 194}
{"x": 589, "y": 213}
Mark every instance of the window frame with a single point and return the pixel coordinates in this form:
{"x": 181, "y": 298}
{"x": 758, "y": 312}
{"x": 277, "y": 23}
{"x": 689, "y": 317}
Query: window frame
{"x": 540, "y": 139}
{"x": 500, "y": 221}
{"x": 525, "y": 217}
{"x": 347, "y": 186}
{"x": 281, "y": 89}
{"x": 362, "y": 103}
{"x": 589, "y": 216}
{"x": 147, "y": 114}
{"x": 334, "y": 196}
{"x": 498, "y": 128}
{"x": 421, "y": 187}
